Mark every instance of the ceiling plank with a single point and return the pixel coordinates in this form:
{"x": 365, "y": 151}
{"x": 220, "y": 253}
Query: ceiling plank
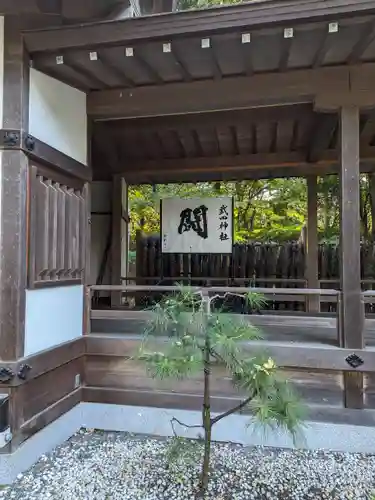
{"x": 204, "y": 22}
{"x": 227, "y": 93}
{"x": 182, "y": 67}
{"x": 321, "y": 136}
{"x": 366, "y": 37}
{"x": 115, "y": 70}
{"x": 368, "y": 131}
{"x": 146, "y": 68}
{"x": 324, "y": 47}
{"x": 197, "y": 143}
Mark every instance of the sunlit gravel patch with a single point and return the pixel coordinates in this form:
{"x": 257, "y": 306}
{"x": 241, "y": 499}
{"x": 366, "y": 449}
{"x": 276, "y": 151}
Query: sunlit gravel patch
{"x": 96, "y": 465}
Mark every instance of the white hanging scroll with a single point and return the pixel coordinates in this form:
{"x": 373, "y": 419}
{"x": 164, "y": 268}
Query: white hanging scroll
{"x": 197, "y": 225}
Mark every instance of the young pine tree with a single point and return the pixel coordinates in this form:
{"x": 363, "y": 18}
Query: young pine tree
{"x": 186, "y": 336}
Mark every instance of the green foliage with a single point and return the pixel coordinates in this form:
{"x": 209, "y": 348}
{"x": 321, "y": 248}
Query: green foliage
{"x": 132, "y": 256}
{"x": 182, "y": 450}
{"x": 185, "y": 337}
{"x": 265, "y": 210}
{"x": 204, "y": 4}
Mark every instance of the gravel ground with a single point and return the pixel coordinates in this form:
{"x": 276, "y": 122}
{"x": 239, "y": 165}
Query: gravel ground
{"x": 95, "y": 465}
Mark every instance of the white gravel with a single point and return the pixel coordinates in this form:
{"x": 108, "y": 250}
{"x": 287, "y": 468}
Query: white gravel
{"x": 94, "y": 465}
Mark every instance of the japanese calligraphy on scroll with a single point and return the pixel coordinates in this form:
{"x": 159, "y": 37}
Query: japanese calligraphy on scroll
{"x": 197, "y": 225}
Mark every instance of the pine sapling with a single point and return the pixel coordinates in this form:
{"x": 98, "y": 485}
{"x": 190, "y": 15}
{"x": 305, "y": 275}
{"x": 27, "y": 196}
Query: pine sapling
{"x": 187, "y": 336}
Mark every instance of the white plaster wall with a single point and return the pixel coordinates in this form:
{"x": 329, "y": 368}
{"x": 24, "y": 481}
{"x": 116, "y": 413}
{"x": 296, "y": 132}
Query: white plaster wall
{"x": 53, "y": 316}
{"x": 101, "y": 204}
{"x": 57, "y": 115}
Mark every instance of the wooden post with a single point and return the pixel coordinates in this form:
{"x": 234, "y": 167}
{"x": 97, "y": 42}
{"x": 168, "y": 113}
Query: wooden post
{"x": 313, "y": 303}
{"x": 13, "y": 196}
{"x": 125, "y": 230}
{"x": 116, "y": 239}
{"x": 372, "y": 193}
{"x": 352, "y": 316}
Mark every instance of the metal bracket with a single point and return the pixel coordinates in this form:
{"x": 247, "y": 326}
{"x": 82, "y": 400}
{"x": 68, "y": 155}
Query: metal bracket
{"x": 11, "y": 139}
{"x": 354, "y": 360}
{"x": 23, "y": 371}
{"x": 29, "y": 143}
{"x": 6, "y": 375}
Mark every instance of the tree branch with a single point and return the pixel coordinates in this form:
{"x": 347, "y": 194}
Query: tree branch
{"x": 174, "y": 419}
{"x": 232, "y": 410}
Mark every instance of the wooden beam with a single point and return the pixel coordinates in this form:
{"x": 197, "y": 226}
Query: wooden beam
{"x": 226, "y": 94}
{"x": 164, "y": 399}
{"x": 352, "y": 314}
{"x": 216, "y": 163}
{"x": 290, "y": 355}
{"x": 39, "y": 421}
{"x": 194, "y": 23}
{"x": 46, "y": 361}
{"x": 235, "y": 174}
{"x": 214, "y": 119}
{"x": 221, "y": 164}
{"x": 312, "y": 277}
{"x": 43, "y": 154}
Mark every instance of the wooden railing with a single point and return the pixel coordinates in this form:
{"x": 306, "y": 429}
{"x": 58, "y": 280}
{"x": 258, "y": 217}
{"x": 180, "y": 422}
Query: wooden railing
{"x": 281, "y": 294}
{"x": 298, "y": 355}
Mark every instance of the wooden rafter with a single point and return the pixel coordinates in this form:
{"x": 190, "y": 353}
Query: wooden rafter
{"x": 368, "y": 131}
{"x": 366, "y": 37}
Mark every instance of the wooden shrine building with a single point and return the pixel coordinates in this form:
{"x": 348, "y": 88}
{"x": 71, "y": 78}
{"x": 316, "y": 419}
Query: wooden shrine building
{"x": 97, "y": 92}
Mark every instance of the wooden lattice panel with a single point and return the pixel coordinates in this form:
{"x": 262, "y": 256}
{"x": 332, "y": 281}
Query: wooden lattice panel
{"x": 57, "y": 232}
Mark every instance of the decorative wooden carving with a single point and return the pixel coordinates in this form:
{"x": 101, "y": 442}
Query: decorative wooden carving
{"x": 57, "y": 229}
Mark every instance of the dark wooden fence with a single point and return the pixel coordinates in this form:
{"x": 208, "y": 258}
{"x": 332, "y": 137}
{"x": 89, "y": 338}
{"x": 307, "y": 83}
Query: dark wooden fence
{"x": 251, "y": 264}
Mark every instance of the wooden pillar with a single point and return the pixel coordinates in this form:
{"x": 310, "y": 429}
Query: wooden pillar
{"x": 352, "y": 314}
{"x": 372, "y": 193}
{"x": 312, "y": 243}
{"x": 116, "y": 239}
{"x": 13, "y": 195}
{"x": 125, "y": 223}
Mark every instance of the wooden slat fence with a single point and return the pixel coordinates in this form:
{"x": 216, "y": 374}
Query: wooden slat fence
{"x": 265, "y": 265}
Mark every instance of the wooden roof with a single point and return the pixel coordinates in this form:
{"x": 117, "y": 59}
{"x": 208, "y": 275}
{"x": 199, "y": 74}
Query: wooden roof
{"x": 275, "y": 141}
{"x": 174, "y": 96}
{"x": 68, "y": 9}
{"x": 94, "y": 56}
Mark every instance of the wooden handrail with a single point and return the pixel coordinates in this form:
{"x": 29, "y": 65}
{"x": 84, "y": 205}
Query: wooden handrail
{"x": 218, "y": 289}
